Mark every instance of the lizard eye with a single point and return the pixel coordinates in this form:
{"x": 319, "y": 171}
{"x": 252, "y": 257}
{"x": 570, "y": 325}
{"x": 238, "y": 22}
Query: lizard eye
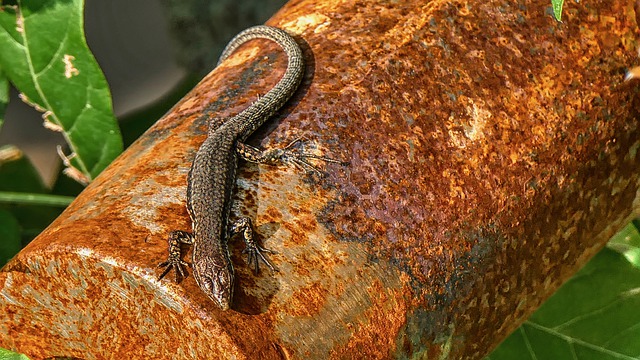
{"x": 222, "y": 288}
{"x": 216, "y": 282}
{"x": 218, "y": 286}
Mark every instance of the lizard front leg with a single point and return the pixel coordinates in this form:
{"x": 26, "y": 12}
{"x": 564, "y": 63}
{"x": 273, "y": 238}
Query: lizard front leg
{"x": 283, "y": 156}
{"x": 174, "y": 260}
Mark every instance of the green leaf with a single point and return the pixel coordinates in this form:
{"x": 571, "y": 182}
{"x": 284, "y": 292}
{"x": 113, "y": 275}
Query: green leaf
{"x": 10, "y": 355}
{"x": 4, "y": 95}
{"x": 9, "y": 236}
{"x": 593, "y": 316}
{"x": 44, "y": 54}
{"x": 557, "y": 8}
{"x": 627, "y": 242}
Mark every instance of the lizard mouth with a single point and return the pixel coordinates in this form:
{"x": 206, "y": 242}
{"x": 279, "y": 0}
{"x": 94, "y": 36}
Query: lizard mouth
{"x": 222, "y": 298}
{"x": 223, "y": 302}
{"x": 217, "y": 283}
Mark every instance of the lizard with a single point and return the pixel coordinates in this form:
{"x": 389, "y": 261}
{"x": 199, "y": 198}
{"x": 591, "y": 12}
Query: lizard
{"x": 212, "y": 176}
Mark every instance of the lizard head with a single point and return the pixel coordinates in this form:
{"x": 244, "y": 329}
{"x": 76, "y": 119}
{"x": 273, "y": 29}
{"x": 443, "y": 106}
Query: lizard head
{"x": 216, "y": 281}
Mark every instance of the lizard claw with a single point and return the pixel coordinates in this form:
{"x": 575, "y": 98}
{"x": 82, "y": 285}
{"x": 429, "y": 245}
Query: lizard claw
{"x": 300, "y": 159}
{"x": 174, "y": 263}
{"x": 174, "y": 260}
{"x": 252, "y": 249}
{"x": 255, "y": 255}
{"x": 286, "y": 155}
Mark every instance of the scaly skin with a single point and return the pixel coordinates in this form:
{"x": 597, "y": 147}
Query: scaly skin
{"x": 213, "y": 173}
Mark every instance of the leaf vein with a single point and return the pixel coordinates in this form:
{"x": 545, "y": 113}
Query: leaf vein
{"x": 580, "y": 342}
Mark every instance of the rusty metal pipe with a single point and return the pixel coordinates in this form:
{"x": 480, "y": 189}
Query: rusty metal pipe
{"x": 492, "y": 152}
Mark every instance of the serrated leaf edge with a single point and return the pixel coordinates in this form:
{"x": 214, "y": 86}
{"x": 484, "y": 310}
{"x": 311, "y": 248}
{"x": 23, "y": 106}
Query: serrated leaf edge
{"x": 49, "y": 115}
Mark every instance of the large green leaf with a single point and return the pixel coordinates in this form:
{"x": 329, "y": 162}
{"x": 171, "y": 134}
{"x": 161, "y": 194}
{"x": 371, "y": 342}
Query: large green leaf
{"x": 44, "y": 54}
{"x": 4, "y": 95}
{"x": 627, "y": 242}
{"x": 10, "y": 355}
{"x": 595, "y": 315}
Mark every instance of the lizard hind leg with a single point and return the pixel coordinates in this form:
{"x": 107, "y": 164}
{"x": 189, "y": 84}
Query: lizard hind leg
{"x": 255, "y": 253}
{"x": 174, "y": 260}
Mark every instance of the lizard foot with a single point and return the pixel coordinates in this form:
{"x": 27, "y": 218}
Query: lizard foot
{"x": 174, "y": 263}
{"x": 286, "y": 155}
{"x": 174, "y": 260}
{"x": 301, "y": 159}
{"x": 255, "y": 253}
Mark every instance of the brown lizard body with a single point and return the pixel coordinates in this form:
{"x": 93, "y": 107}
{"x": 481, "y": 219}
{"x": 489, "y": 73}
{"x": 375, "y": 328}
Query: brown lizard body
{"x": 212, "y": 178}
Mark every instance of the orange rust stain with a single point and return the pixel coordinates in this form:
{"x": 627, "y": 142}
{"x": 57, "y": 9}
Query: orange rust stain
{"x": 307, "y": 301}
{"x": 386, "y": 315}
{"x": 302, "y": 267}
{"x": 307, "y": 223}
{"x": 272, "y": 213}
{"x": 465, "y": 132}
{"x": 298, "y": 236}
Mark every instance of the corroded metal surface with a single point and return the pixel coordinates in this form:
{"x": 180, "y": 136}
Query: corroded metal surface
{"x": 493, "y": 150}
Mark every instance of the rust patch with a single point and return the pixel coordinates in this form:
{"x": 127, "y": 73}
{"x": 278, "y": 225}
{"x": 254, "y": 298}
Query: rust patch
{"x": 387, "y": 316}
{"x": 307, "y": 301}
